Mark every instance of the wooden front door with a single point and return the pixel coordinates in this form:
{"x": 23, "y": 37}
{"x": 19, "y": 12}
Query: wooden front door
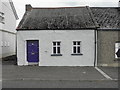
{"x": 33, "y": 51}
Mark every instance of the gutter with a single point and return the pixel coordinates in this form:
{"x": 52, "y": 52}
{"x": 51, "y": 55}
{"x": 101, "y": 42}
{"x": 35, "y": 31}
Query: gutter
{"x": 107, "y": 29}
{"x": 30, "y": 29}
{"x": 8, "y": 31}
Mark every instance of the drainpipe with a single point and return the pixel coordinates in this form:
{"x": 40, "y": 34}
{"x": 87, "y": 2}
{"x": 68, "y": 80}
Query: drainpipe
{"x": 95, "y": 51}
{"x": 95, "y": 35}
{"x": 15, "y": 49}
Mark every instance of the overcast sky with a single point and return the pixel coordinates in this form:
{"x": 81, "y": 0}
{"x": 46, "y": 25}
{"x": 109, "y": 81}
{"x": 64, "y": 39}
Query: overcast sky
{"x": 20, "y": 4}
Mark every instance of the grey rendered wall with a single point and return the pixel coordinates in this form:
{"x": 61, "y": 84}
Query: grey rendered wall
{"x": 106, "y": 48}
{"x": 66, "y": 37}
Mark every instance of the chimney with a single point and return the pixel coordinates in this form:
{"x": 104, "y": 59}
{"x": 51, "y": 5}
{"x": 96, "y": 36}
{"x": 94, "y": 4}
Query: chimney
{"x": 28, "y": 7}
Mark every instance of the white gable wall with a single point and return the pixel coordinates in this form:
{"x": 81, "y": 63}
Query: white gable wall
{"x": 10, "y": 20}
{"x": 9, "y": 44}
{"x": 7, "y": 30}
{"x": 46, "y": 37}
{"x": 0, "y": 32}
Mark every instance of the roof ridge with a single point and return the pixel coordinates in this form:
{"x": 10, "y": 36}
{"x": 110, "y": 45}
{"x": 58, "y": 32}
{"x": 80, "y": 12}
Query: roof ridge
{"x": 57, "y": 7}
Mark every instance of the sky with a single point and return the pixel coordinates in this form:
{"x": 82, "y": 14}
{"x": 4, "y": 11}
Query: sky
{"x": 20, "y": 4}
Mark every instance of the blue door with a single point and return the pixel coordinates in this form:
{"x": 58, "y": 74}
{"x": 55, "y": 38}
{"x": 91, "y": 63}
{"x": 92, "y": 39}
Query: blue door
{"x": 32, "y": 50}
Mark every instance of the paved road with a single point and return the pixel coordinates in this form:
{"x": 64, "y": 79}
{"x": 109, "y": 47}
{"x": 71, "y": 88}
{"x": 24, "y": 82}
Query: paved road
{"x": 11, "y": 72}
{"x": 59, "y": 84}
{"x": 57, "y": 77}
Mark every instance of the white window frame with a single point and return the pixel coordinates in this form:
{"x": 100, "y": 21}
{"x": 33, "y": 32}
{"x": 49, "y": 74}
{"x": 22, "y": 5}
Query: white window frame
{"x": 79, "y": 53}
{"x": 117, "y": 47}
{"x": 56, "y": 46}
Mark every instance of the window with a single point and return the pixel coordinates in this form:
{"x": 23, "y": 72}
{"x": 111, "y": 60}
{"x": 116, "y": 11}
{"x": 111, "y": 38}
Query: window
{"x": 56, "y": 48}
{"x": 2, "y": 19}
{"x": 117, "y": 50}
{"x": 76, "y": 49}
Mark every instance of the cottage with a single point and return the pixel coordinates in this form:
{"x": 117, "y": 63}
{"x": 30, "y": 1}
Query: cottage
{"x": 57, "y": 37}
{"x": 7, "y": 29}
{"x": 108, "y": 35}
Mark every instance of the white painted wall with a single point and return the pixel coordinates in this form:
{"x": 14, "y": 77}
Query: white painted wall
{"x": 7, "y": 30}
{"x": 46, "y": 37}
{"x": 9, "y": 44}
{"x": 10, "y": 20}
{"x": 0, "y": 11}
{"x": 0, "y": 32}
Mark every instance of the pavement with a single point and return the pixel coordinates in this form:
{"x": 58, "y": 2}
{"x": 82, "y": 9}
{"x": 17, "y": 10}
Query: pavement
{"x": 111, "y": 71}
{"x": 14, "y": 76}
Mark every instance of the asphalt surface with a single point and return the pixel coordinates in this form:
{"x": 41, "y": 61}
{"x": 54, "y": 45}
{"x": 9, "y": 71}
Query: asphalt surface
{"x": 59, "y": 84}
{"x": 14, "y": 76}
{"x": 51, "y": 73}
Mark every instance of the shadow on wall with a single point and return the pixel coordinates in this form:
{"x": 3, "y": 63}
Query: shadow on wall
{"x": 10, "y": 60}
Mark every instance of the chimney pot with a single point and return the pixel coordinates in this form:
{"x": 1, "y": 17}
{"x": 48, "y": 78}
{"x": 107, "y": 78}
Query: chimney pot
{"x": 28, "y": 7}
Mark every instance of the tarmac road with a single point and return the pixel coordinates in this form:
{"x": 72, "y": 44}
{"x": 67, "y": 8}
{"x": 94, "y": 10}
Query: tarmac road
{"x": 59, "y": 84}
{"x": 58, "y": 77}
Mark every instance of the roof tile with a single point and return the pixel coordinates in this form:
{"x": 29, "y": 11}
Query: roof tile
{"x": 57, "y": 18}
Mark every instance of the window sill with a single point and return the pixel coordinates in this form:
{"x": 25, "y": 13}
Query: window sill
{"x": 117, "y": 59}
{"x": 76, "y": 54}
{"x": 56, "y": 54}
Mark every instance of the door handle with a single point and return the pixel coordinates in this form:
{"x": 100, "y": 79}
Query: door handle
{"x": 33, "y": 53}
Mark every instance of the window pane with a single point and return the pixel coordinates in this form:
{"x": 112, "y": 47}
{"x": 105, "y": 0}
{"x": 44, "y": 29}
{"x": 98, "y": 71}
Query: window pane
{"x": 54, "y": 43}
{"x": 58, "y": 50}
{"x": 54, "y": 50}
{"x": 78, "y": 49}
{"x": 58, "y": 43}
{"x": 74, "y": 43}
{"x": 78, "y": 43}
{"x": 74, "y": 49}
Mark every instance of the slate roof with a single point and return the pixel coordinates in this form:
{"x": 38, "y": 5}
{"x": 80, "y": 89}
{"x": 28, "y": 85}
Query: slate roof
{"x": 57, "y": 19}
{"x": 107, "y": 17}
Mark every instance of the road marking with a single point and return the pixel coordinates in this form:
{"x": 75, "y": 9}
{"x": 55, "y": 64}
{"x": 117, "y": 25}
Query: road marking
{"x": 104, "y": 74}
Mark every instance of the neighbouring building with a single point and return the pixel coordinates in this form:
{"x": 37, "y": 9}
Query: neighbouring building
{"x": 119, "y": 3}
{"x": 8, "y": 17}
{"x": 56, "y": 37}
{"x": 108, "y": 35}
